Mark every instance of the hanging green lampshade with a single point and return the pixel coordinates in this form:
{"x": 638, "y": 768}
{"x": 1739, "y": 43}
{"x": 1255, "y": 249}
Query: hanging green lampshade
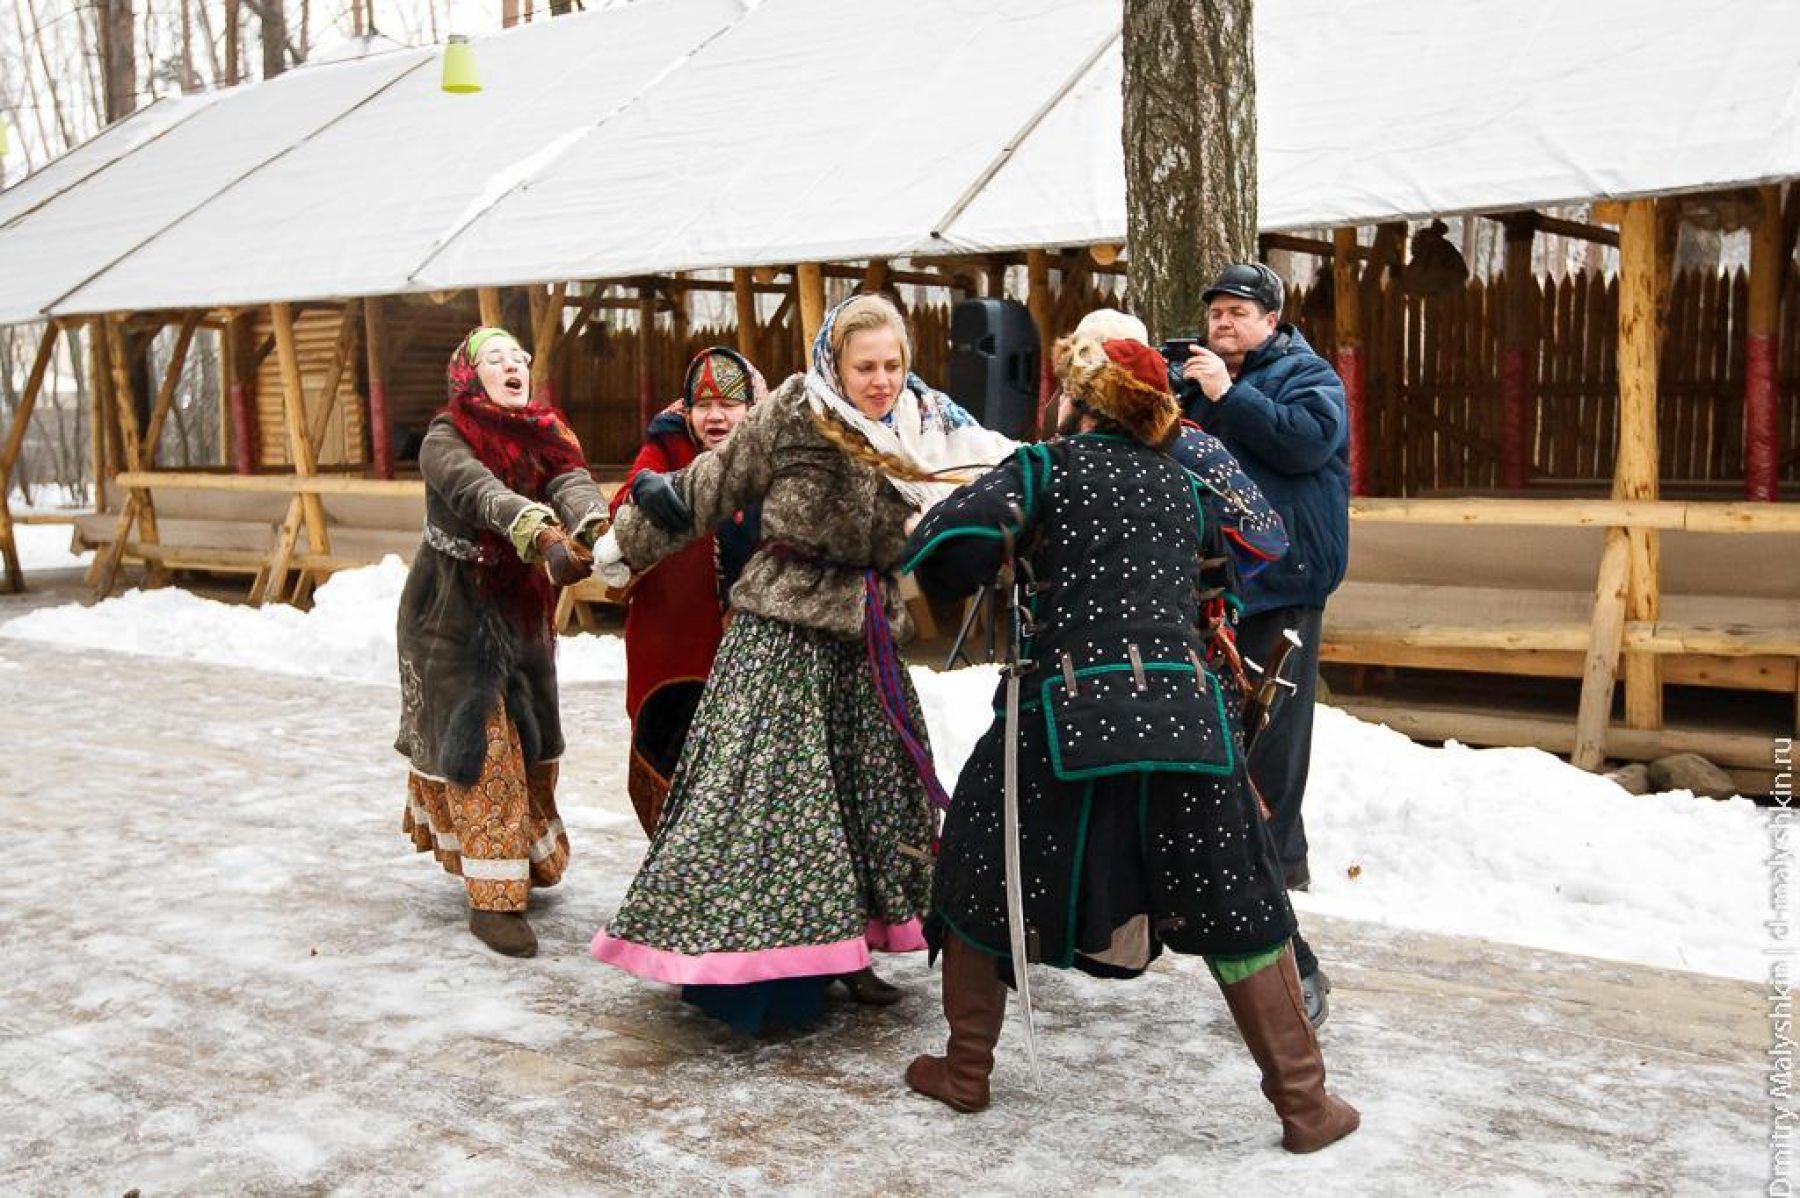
{"x": 460, "y": 76}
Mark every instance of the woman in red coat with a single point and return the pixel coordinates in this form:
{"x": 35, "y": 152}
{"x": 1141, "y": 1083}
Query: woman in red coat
{"x": 677, "y": 610}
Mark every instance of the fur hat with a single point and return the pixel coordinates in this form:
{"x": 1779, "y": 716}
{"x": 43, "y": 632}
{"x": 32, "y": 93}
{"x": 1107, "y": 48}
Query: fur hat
{"x": 1125, "y": 382}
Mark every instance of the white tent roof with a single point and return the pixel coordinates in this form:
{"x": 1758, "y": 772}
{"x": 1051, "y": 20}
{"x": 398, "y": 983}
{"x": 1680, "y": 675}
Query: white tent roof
{"x": 682, "y": 134}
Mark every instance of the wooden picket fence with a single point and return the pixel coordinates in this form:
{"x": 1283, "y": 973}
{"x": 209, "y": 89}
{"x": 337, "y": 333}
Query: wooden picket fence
{"x": 1433, "y": 371}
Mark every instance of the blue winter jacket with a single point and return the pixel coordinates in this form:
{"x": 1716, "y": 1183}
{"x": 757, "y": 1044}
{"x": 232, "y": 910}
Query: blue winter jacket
{"x": 1286, "y": 422}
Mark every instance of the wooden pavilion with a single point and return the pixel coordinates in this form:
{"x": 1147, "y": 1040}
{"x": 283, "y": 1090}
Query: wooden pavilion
{"x": 1576, "y": 478}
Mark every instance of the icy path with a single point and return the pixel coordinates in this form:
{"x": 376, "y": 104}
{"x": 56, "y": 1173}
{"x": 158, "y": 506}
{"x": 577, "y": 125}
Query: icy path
{"x": 225, "y": 971}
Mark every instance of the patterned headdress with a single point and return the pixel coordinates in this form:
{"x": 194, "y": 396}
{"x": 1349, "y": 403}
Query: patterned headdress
{"x": 720, "y": 373}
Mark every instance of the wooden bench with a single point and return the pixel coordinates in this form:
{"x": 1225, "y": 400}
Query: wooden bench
{"x": 1536, "y": 587}
{"x": 1519, "y": 600}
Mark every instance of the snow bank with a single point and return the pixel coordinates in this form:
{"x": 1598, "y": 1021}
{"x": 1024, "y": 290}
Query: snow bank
{"x": 1503, "y": 844}
{"x": 1519, "y": 846}
{"x": 347, "y": 636}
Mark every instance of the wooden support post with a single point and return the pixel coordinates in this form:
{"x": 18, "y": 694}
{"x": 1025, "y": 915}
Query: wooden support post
{"x": 306, "y": 508}
{"x": 996, "y": 279}
{"x": 1635, "y": 472}
{"x": 811, "y": 282}
{"x": 341, "y": 353}
{"x": 165, "y": 394}
{"x": 875, "y": 279}
{"x": 546, "y": 331}
{"x": 100, "y": 415}
{"x": 15, "y": 442}
{"x": 1347, "y": 298}
{"x": 1605, "y": 636}
{"x": 743, "y": 291}
{"x": 1040, "y": 301}
{"x": 381, "y": 433}
{"x": 1517, "y": 356}
{"x": 138, "y": 509}
{"x": 246, "y": 433}
{"x": 490, "y": 307}
{"x": 1762, "y": 425}
{"x": 646, "y": 344}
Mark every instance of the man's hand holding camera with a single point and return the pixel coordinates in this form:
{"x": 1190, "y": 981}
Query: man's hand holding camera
{"x": 1207, "y": 369}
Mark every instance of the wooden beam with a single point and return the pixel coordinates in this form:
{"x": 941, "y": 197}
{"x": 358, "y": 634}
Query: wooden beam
{"x": 1347, "y": 302}
{"x": 546, "y": 333}
{"x": 1578, "y": 230}
{"x": 381, "y": 434}
{"x": 138, "y": 508}
{"x": 583, "y": 312}
{"x": 1600, "y": 672}
{"x": 275, "y": 484}
{"x": 1332, "y": 250}
{"x": 811, "y": 285}
{"x": 646, "y": 342}
{"x": 1635, "y": 475}
{"x": 489, "y": 298}
{"x": 1479, "y": 727}
{"x": 1372, "y": 646}
{"x": 1040, "y": 301}
{"x": 1665, "y": 514}
{"x": 320, "y": 419}
{"x": 99, "y": 417}
{"x": 743, "y": 289}
{"x": 15, "y": 444}
{"x": 306, "y": 508}
{"x": 1518, "y": 357}
{"x": 1762, "y": 404}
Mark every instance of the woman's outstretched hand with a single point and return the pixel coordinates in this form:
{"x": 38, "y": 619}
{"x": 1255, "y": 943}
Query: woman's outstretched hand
{"x": 565, "y": 561}
{"x": 659, "y": 499}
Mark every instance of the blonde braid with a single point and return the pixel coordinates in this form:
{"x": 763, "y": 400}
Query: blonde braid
{"x": 855, "y": 447}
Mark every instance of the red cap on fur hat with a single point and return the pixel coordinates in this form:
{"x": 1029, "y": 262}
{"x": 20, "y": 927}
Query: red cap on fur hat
{"x": 1141, "y": 362}
{"x": 1124, "y": 381}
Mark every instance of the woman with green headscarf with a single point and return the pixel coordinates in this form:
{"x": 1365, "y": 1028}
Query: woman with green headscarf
{"x": 510, "y": 514}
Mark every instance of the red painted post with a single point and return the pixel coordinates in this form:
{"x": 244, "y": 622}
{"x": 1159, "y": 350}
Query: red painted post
{"x": 1762, "y": 421}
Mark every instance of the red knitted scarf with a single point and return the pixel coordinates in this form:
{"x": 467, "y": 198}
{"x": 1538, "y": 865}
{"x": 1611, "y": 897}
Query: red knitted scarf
{"x": 525, "y": 448}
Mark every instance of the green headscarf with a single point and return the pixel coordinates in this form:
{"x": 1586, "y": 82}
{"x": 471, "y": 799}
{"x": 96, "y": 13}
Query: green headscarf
{"x": 480, "y": 337}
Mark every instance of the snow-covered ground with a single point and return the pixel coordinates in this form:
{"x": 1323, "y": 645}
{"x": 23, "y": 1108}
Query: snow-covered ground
{"x": 1510, "y": 845}
{"x": 45, "y": 546}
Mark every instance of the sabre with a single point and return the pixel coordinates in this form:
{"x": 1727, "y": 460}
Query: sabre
{"x": 1016, "y": 667}
{"x": 1259, "y": 709}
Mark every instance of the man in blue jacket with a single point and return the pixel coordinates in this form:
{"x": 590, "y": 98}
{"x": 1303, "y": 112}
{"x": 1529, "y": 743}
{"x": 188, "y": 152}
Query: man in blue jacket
{"x": 1279, "y": 408}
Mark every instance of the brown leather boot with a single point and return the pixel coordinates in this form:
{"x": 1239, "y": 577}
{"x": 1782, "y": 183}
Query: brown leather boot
{"x": 1271, "y": 1016}
{"x": 974, "y": 1007}
{"x": 506, "y": 932}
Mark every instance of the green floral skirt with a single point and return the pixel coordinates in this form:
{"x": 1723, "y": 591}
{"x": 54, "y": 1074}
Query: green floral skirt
{"x": 794, "y": 836}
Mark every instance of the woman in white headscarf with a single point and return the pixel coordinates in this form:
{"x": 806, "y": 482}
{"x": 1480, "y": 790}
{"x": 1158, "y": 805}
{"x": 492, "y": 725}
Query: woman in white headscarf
{"x": 797, "y": 831}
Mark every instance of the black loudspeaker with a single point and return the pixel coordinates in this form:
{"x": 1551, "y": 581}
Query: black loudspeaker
{"x": 994, "y": 364}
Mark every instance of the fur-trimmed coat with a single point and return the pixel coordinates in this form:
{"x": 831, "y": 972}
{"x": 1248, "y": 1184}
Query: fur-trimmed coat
{"x": 826, "y": 520}
{"x": 458, "y": 655}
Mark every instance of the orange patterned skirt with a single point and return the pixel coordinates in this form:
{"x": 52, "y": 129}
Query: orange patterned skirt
{"x": 502, "y": 835}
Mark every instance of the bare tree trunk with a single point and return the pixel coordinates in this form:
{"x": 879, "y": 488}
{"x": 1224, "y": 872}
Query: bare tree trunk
{"x": 37, "y": 39}
{"x": 234, "y": 50}
{"x": 84, "y": 14}
{"x": 210, "y": 42}
{"x": 118, "y": 56}
{"x": 305, "y": 30}
{"x": 1190, "y": 151}
{"x": 149, "y": 51}
{"x": 188, "y": 82}
{"x": 274, "y": 37}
